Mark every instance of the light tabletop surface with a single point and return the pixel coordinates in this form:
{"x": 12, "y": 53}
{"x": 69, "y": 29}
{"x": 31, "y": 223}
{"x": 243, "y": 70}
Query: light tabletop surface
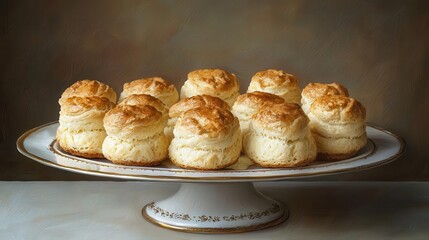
{"x": 112, "y": 210}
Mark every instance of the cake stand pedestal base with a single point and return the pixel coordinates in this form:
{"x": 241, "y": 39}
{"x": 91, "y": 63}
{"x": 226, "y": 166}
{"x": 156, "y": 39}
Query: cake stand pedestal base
{"x": 216, "y": 208}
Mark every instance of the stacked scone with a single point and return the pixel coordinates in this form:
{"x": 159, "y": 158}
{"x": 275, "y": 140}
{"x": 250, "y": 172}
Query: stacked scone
{"x": 338, "y": 125}
{"x": 206, "y": 138}
{"x": 135, "y": 136}
{"x": 83, "y": 106}
{"x": 279, "y": 136}
{"x": 337, "y": 121}
{"x": 201, "y": 132}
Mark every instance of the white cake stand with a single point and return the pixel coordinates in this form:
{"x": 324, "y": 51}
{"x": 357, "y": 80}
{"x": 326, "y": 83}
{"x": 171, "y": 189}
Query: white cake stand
{"x": 223, "y": 201}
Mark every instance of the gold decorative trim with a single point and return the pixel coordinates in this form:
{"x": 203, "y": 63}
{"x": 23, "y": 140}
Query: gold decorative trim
{"x": 22, "y": 150}
{"x": 275, "y": 208}
{"x": 255, "y": 227}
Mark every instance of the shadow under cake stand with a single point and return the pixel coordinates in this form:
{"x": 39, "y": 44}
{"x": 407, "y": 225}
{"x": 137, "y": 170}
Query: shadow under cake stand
{"x": 223, "y": 201}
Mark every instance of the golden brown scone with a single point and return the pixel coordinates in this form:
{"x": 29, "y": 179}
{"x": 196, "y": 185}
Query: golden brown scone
{"x": 338, "y": 109}
{"x": 279, "y": 136}
{"x": 196, "y": 101}
{"x": 81, "y": 130}
{"x": 88, "y": 88}
{"x": 206, "y": 138}
{"x": 78, "y": 105}
{"x": 276, "y": 82}
{"x": 155, "y": 86}
{"x": 249, "y": 104}
{"x": 134, "y": 122}
{"x": 135, "y": 136}
{"x": 189, "y": 103}
{"x": 338, "y": 125}
{"x": 315, "y": 90}
{"x": 144, "y": 99}
{"x": 214, "y": 82}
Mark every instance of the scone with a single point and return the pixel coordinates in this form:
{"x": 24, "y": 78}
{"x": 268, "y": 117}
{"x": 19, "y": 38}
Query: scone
{"x": 88, "y": 88}
{"x": 315, "y": 90}
{"x": 156, "y": 87}
{"x": 279, "y": 136}
{"x": 189, "y": 103}
{"x": 135, "y": 136}
{"x": 81, "y": 130}
{"x": 338, "y": 124}
{"x": 249, "y": 104}
{"x": 214, "y": 82}
{"x": 206, "y": 138}
{"x": 144, "y": 99}
{"x": 276, "y": 82}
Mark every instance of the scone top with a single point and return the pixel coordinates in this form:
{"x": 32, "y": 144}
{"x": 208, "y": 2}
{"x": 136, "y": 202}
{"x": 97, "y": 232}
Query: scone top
{"x": 133, "y": 122}
{"x": 338, "y": 109}
{"x": 73, "y": 106}
{"x": 196, "y": 101}
{"x": 207, "y": 122}
{"x": 155, "y": 86}
{"x": 124, "y": 115}
{"x": 258, "y": 99}
{"x": 213, "y": 80}
{"x": 87, "y": 88}
{"x": 273, "y": 78}
{"x": 315, "y": 90}
{"x": 276, "y": 82}
{"x": 286, "y": 120}
{"x": 145, "y": 99}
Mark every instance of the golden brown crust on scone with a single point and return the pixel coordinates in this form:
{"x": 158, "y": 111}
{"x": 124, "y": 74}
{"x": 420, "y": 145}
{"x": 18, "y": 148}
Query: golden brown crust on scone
{"x": 218, "y": 79}
{"x": 202, "y": 168}
{"x": 284, "y": 114}
{"x": 272, "y": 77}
{"x": 78, "y": 105}
{"x": 207, "y": 120}
{"x": 141, "y": 99}
{"x": 316, "y": 90}
{"x": 196, "y": 101}
{"x": 88, "y": 88}
{"x": 156, "y": 84}
{"x": 123, "y": 116}
{"x": 259, "y": 98}
{"x": 338, "y": 108}
{"x": 144, "y": 99}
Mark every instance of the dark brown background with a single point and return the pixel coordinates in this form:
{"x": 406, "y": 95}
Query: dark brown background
{"x": 378, "y": 49}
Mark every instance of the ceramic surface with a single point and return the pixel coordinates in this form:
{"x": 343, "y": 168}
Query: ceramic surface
{"x": 39, "y": 144}
{"x": 216, "y": 208}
